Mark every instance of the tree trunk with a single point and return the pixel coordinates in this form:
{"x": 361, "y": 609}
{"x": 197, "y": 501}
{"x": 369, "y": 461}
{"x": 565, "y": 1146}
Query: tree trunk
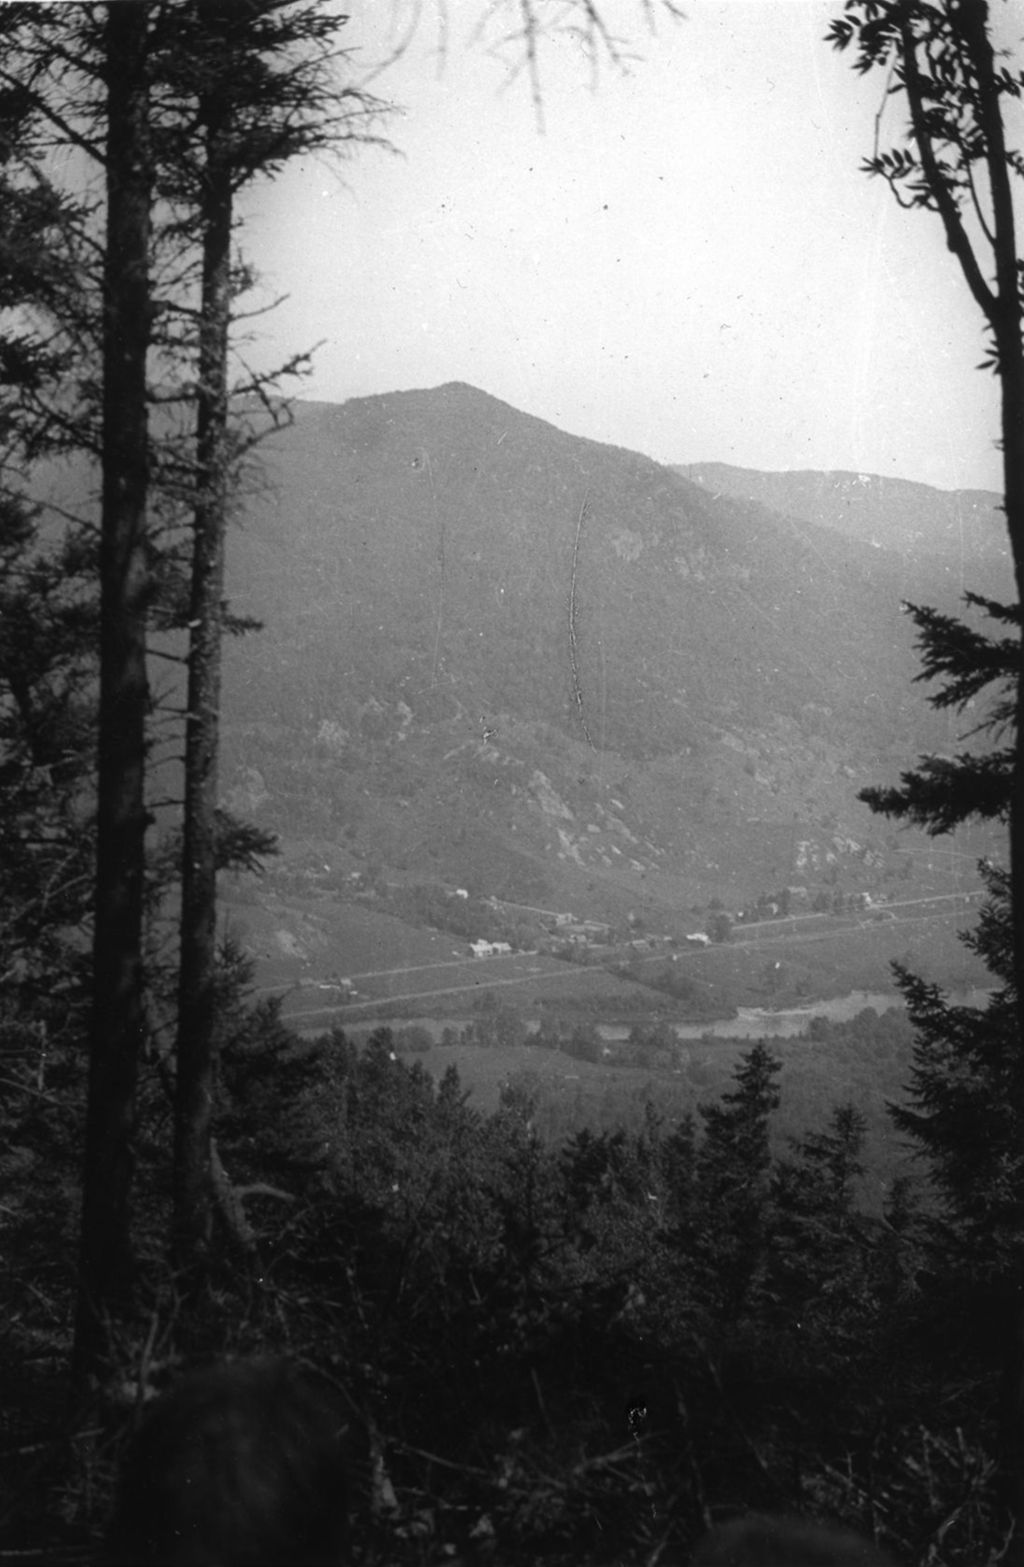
{"x": 197, "y": 997}
{"x": 1012, "y": 1401}
{"x": 1005, "y": 317}
{"x": 1006, "y": 322}
{"x": 106, "y": 1263}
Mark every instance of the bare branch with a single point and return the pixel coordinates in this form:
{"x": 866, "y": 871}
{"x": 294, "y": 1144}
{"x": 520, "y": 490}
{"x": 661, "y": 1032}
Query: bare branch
{"x": 956, "y": 235}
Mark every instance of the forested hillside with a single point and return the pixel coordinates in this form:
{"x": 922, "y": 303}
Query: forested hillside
{"x": 958, "y": 532}
{"x": 424, "y": 547}
{"x": 459, "y": 600}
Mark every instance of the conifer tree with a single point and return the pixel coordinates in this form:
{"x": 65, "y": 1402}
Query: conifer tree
{"x": 957, "y": 161}
{"x": 965, "y": 1099}
{"x": 118, "y": 1019}
{"x": 178, "y": 106}
{"x": 817, "y": 1267}
{"x": 965, "y": 1106}
{"x": 245, "y": 85}
{"x": 733, "y": 1170}
{"x": 966, "y": 1095}
{"x": 47, "y": 718}
{"x": 48, "y": 617}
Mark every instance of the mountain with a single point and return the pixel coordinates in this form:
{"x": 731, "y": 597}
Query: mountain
{"x": 960, "y": 532}
{"x": 498, "y": 653}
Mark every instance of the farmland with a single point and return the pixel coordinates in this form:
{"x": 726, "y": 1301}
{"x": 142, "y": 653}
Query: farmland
{"x": 302, "y": 947}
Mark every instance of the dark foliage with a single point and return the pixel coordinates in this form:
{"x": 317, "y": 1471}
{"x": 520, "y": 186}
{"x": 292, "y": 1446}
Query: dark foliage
{"x": 564, "y": 1352}
{"x": 943, "y": 792}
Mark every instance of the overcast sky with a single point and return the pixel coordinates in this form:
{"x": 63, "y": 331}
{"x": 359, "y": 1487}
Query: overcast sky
{"x": 686, "y": 261}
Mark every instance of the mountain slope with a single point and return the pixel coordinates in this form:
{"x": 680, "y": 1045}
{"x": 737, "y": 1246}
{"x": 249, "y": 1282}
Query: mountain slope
{"x": 960, "y": 532}
{"x": 425, "y": 544}
{"x": 482, "y": 635}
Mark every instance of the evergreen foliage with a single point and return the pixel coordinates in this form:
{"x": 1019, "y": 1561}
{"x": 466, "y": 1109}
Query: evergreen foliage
{"x": 557, "y": 1354}
{"x": 570, "y": 1350}
{"x": 965, "y": 1105}
{"x": 733, "y": 1181}
{"x": 965, "y": 1098}
{"x": 943, "y": 792}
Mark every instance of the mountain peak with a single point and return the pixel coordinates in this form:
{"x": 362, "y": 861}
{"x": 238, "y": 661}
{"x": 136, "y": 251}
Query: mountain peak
{"x": 458, "y": 597}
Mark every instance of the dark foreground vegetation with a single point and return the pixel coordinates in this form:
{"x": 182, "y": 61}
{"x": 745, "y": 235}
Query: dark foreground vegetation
{"x": 564, "y": 1353}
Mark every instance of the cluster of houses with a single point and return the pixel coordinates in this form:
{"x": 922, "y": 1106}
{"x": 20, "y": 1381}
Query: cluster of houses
{"x": 563, "y": 925}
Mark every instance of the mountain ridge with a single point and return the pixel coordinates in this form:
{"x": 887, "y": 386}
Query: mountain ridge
{"x": 968, "y": 523}
{"x": 458, "y": 596}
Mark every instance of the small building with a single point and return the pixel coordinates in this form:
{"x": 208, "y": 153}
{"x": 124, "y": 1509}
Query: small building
{"x": 481, "y": 949}
{"x": 343, "y": 989}
{"x": 697, "y": 938}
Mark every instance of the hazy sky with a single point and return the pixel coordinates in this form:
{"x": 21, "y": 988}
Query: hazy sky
{"x": 686, "y": 261}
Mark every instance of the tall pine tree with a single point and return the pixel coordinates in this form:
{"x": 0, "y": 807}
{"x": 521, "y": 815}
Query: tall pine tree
{"x": 244, "y": 87}
{"x": 965, "y": 1099}
{"x": 957, "y": 160}
{"x": 733, "y": 1181}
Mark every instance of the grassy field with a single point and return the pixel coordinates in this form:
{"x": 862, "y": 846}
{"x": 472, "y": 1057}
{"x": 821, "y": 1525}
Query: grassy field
{"x": 299, "y": 945}
{"x": 836, "y": 956}
{"x": 319, "y": 937}
{"x": 452, "y": 987}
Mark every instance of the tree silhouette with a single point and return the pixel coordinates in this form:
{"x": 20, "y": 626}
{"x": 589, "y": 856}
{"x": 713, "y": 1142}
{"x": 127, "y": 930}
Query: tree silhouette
{"x": 957, "y": 162}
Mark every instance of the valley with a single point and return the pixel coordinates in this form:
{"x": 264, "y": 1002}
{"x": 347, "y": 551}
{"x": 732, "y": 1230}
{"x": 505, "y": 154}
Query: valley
{"x": 504, "y": 671}
{"x": 756, "y": 967}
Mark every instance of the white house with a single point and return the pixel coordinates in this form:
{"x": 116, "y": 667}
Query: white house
{"x": 489, "y": 949}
